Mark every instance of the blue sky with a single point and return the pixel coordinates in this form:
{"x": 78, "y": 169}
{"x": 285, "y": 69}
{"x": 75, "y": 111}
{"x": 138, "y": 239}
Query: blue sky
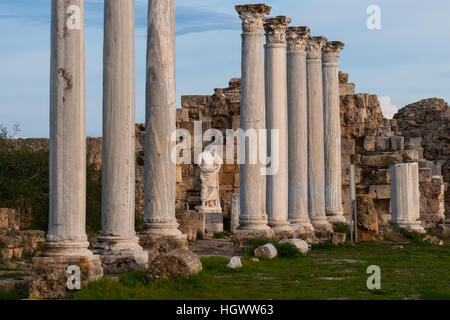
{"x": 407, "y": 60}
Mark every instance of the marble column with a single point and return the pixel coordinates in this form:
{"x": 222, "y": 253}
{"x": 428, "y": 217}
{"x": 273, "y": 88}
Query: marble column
{"x": 298, "y": 128}
{"x": 160, "y": 120}
{"x": 118, "y": 239}
{"x": 277, "y": 119}
{"x": 405, "y": 196}
{"x": 253, "y": 183}
{"x": 66, "y": 242}
{"x": 316, "y": 160}
{"x": 332, "y": 132}
{"x": 67, "y": 221}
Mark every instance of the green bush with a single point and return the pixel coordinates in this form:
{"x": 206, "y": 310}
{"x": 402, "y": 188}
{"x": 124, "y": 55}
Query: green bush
{"x": 6, "y": 295}
{"x": 285, "y": 250}
{"x": 24, "y": 183}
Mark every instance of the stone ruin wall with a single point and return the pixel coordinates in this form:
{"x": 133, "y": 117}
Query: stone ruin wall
{"x": 370, "y": 141}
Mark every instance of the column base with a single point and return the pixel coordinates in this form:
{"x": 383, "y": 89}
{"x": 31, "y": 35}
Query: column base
{"x": 253, "y": 225}
{"x": 302, "y": 225}
{"x": 240, "y": 237}
{"x": 51, "y": 278}
{"x": 156, "y": 245}
{"x": 66, "y": 249}
{"x": 119, "y": 255}
{"x": 162, "y": 229}
{"x": 336, "y": 218}
{"x": 414, "y": 226}
{"x": 321, "y": 223}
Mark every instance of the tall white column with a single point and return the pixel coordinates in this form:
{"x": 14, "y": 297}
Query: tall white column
{"x": 298, "y": 128}
{"x": 316, "y": 161}
{"x": 332, "y": 132}
{"x": 277, "y": 120}
{"x": 118, "y": 238}
{"x": 67, "y": 221}
{"x": 66, "y": 243}
{"x": 253, "y": 183}
{"x": 405, "y": 196}
{"x": 160, "y": 170}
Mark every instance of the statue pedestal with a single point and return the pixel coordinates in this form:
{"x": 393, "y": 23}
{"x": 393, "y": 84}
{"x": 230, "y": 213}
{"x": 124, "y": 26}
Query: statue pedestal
{"x": 213, "y": 219}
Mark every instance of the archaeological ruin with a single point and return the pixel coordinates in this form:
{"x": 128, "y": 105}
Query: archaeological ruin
{"x": 290, "y": 84}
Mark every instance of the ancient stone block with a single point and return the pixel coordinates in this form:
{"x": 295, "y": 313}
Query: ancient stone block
{"x": 369, "y": 143}
{"x": 174, "y": 264}
{"x": 397, "y": 143}
{"x": 380, "y": 192}
{"x": 382, "y": 143}
{"x": 267, "y": 251}
{"x": 50, "y": 275}
{"x": 235, "y": 263}
{"x": 300, "y": 244}
{"x": 367, "y": 217}
{"x": 383, "y": 160}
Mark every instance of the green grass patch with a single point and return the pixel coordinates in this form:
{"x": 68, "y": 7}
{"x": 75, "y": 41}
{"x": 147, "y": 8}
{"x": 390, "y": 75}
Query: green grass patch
{"x": 6, "y": 295}
{"x": 415, "y": 272}
{"x": 221, "y": 235}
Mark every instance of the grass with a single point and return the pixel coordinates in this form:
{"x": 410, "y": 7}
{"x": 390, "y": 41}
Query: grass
{"x": 6, "y": 295}
{"x": 419, "y": 271}
{"x": 16, "y": 276}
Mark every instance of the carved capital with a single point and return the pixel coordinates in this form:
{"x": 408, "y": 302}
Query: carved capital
{"x": 252, "y": 16}
{"x": 332, "y": 49}
{"x": 276, "y": 29}
{"x": 297, "y": 38}
{"x": 315, "y": 45}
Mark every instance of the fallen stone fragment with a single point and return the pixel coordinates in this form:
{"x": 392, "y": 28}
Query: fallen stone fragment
{"x": 267, "y": 251}
{"x": 433, "y": 240}
{"x": 338, "y": 238}
{"x": 300, "y": 244}
{"x": 235, "y": 263}
{"x": 254, "y": 260}
{"x": 174, "y": 264}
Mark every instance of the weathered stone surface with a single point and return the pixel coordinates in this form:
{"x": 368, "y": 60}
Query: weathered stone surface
{"x": 174, "y": 264}
{"x": 240, "y": 237}
{"x": 192, "y": 223}
{"x": 267, "y": 251}
{"x": 300, "y": 244}
{"x": 235, "y": 263}
{"x": 433, "y": 240}
{"x": 9, "y": 219}
{"x": 367, "y": 218}
{"x": 338, "y": 238}
{"x": 158, "y": 245}
{"x": 50, "y": 275}
{"x": 380, "y": 192}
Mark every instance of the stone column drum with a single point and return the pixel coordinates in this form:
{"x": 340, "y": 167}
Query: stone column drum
{"x": 316, "y": 162}
{"x": 298, "y": 128}
{"x": 277, "y": 119}
{"x": 405, "y": 196}
{"x": 118, "y": 239}
{"x": 253, "y": 183}
{"x": 160, "y": 223}
{"x": 66, "y": 241}
{"x": 332, "y": 132}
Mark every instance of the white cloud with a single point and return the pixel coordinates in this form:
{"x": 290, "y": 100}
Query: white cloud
{"x": 387, "y": 107}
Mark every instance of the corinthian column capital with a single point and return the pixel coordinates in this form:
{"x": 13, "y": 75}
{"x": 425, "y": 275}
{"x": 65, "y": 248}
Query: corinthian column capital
{"x": 276, "y": 29}
{"x": 315, "y": 45}
{"x": 332, "y": 49}
{"x": 252, "y": 16}
{"x": 297, "y": 38}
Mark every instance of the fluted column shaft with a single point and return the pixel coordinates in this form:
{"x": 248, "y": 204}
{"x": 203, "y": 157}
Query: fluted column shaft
{"x": 67, "y": 216}
{"x": 277, "y": 120}
{"x": 253, "y": 182}
{"x": 332, "y": 132}
{"x": 160, "y": 170}
{"x": 119, "y": 153}
{"x": 298, "y": 127}
{"x": 316, "y": 162}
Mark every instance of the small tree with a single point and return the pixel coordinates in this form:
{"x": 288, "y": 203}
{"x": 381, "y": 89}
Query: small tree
{"x": 5, "y": 134}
